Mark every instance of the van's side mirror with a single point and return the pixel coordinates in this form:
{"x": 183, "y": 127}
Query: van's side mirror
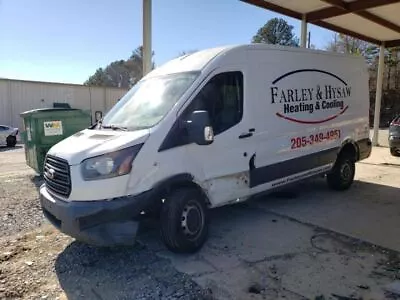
{"x": 199, "y": 128}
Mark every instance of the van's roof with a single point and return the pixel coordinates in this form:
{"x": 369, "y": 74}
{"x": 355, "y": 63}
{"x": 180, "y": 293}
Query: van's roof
{"x": 198, "y": 60}
{"x": 190, "y": 62}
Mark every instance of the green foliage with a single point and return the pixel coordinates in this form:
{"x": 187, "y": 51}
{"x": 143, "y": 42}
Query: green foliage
{"x": 120, "y": 73}
{"x": 278, "y": 32}
{"x": 99, "y": 78}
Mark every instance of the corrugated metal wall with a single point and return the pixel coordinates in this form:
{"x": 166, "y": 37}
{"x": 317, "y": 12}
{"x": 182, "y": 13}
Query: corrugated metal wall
{"x": 17, "y": 96}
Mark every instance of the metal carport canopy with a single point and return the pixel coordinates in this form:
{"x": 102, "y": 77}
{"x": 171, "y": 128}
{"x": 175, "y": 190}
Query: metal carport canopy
{"x": 374, "y": 21}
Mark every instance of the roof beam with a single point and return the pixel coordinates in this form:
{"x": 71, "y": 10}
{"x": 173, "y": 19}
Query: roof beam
{"x": 392, "y": 43}
{"x": 378, "y": 20}
{"x": 341, "y": 8}
{"x": 339, "y": 3}
{"x": 346, "y": 32}
{"x": 275, "y": 8}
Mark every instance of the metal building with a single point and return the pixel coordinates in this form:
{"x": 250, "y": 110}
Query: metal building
{"x": 17, "y": 96}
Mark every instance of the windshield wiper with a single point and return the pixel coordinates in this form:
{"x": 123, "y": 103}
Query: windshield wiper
{"x": 114, "y": 127}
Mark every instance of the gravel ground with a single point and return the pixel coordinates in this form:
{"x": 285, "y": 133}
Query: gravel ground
{"x": 38, "y": 262}
{"x": 19, "y": 205}
{"x": 45, "y": 264}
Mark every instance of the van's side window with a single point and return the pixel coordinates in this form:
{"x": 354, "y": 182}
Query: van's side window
{"x": 222, "y": 97}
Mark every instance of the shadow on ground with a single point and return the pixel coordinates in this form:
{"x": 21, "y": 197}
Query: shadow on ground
{"x": 299, "y": 196}
{"x": 9, "y": 149}
{"x": 87, "y": 272}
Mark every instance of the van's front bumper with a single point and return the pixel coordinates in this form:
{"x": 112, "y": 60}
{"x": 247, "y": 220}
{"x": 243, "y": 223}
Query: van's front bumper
{"x": 102, "y": 223}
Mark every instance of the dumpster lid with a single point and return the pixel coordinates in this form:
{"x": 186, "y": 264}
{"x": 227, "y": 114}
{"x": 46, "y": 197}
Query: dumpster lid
{"x": 39, "y": 110}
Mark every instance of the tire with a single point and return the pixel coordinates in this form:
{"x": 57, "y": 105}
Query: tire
{"x": 184, "y": 221}
{"x": 11, "y": 141}
{"x": 341, "y": 176}
{"x": 395, "y": 152}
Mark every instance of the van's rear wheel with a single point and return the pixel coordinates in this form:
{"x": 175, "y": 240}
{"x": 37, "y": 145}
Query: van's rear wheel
{"x": 341, "y": 176}
{"x": 184, "y": 221}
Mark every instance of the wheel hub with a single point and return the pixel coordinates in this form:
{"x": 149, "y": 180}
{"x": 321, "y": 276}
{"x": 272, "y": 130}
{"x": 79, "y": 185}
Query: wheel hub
{"x": 192, "y": 219}
{"x": 345, "y": 172}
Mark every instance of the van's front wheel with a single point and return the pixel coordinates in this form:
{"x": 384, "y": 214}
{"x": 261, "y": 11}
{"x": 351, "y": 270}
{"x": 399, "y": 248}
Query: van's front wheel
{"x": 342, "y": 175}
{"x": 184, "y": 221}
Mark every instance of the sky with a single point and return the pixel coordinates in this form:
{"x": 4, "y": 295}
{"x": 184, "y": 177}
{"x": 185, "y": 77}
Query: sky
{"x": 67, "y": 40}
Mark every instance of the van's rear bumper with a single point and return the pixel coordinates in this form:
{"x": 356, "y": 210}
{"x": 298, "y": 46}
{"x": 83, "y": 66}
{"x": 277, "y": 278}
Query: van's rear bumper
{"x": 364, "y": 148}
{"x": 102, "y": 223}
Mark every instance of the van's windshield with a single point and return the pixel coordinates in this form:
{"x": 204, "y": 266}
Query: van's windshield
{"x": 148, "y": 102}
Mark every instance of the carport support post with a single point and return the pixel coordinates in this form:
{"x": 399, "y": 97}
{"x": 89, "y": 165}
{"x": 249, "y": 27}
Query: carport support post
{"x": 147, "y": 66}
{"x": 303, "y": 31}
{"x": 378, "y": 96}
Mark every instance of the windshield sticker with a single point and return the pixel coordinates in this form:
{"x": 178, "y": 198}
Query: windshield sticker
{"x": 310, "y": 105}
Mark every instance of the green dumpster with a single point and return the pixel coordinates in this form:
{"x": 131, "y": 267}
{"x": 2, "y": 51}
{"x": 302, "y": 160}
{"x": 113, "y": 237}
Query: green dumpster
{"x": 45, "y": 127}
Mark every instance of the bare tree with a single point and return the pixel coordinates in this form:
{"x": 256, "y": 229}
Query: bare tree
{"x": 333, "y": 45}
{"x": 346, "y": 44}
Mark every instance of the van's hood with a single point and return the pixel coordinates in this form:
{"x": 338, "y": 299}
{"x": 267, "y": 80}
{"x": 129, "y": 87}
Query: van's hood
{"x": 88, "y": 143}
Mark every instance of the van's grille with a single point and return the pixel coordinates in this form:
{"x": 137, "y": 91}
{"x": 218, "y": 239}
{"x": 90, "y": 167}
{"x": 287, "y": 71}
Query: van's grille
{"x": 57, "y": 176}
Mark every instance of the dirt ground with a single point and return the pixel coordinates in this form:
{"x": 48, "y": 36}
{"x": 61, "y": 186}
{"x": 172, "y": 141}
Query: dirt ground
{"x": 305, "y": 243}
{"x": 382, "y": 137}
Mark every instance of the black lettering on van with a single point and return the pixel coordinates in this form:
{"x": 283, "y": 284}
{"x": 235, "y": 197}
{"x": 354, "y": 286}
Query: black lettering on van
{"x": 304, "y": 94}
{"x": 348, "y": 91}
{"x": 328, "y": 92}
{"x": 310, "y": 93}
{"x": 339, "y": 93}
{"x": 334, "y": 92}
{"x": 295, "y": 108}
{"x": 289, "y": 95}
{"x": 286, "y": 108}
{"x": 274, "y": 93}
{"x": 297, "y": 96}
{"x": 332, "y": 104}
{"x": 283, "y": 97}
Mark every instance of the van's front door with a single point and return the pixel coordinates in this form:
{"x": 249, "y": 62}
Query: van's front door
{"x": 225, "y": 162}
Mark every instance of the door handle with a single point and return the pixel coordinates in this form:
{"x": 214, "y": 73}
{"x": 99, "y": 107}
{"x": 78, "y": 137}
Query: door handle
{"x": 245, "y": 135}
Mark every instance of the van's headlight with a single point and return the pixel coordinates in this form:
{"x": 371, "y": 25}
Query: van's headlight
{"x": 109, "y": 165}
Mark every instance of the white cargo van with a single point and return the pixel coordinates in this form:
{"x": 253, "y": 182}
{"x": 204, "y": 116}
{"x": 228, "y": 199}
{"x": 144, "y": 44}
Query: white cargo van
{"x": 205, "y": 130}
